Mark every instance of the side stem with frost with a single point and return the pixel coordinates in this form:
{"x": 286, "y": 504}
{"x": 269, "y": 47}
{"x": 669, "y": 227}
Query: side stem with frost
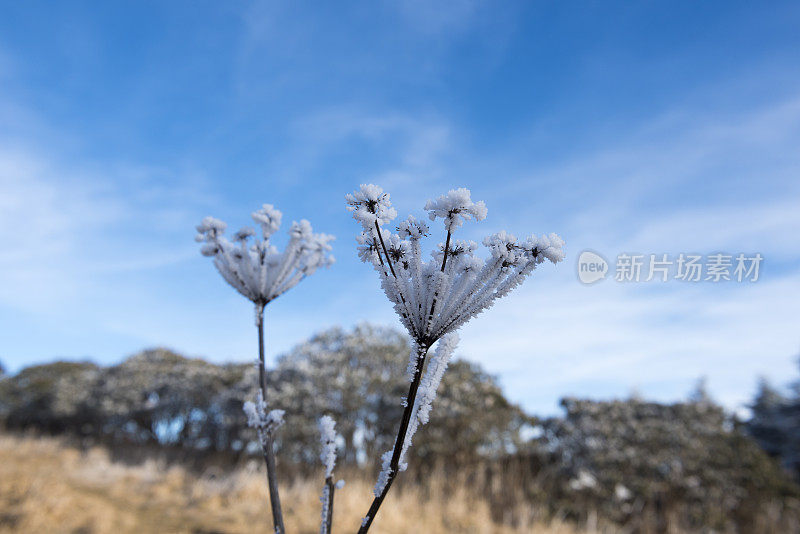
{"x": 399, "y": 442}
{"x": 330, "y": 487}
{"x": 266, "y": 438}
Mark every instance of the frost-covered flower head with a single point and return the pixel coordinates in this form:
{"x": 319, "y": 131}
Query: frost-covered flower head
{"x": 455, "y": 207}
{"x": 370, "y": 206}
{"x": 437, "y": 296}
{"x": 256, "y": 268}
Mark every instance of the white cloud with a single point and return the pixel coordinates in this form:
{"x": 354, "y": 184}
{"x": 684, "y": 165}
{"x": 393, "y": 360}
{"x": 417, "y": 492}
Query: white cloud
{"x": 63, "y": 227}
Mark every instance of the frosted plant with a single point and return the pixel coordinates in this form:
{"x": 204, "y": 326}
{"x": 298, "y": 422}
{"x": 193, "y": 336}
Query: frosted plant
{"x": 436, "y": 297}
{"x": 262, "y": 273}
{"x": 328, "y": 438}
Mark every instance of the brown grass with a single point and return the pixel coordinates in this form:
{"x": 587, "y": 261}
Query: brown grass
{"x": 46, "y": 486}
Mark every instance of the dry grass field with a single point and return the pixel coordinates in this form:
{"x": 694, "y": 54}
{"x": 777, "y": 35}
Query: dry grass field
{"x": 46, "y": 486}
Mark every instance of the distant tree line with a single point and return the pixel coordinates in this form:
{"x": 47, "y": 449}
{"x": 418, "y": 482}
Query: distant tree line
{"x": 645, "y": 465}
{"x": 775, "y": 424}
{"x": 160, "y": 397}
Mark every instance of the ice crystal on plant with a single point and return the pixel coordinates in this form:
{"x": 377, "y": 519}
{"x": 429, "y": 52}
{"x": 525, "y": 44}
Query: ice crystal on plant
{"x": 327, "y": 430}
{"x": 259, "y": 418}
{"x": 383, "y": 477}
{"x": 426, "y": 393}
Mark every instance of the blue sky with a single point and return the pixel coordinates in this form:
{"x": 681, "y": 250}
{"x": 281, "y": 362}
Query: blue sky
{"x": 664, "y": 127}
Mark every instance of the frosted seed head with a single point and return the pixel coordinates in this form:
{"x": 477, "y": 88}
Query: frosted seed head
{"x": 268, "y": 218}
{"x": 370, "y": 205}
{"x": 367, "y": 248}
{"x": 412, "y": 228}
{"x": 243, "y": 234}
{"x": 550, "y": 247}
{"x": 503, "y": 246}
{"x": 459, "y": 249}
{"x": 397, "y": 248}
{"x": 259, "y": 271}
{"x": 455, "y": 207}
{"x": 212, "y": 226}
{"x": 315, "y": 252}
{"x": 301, "y": 230}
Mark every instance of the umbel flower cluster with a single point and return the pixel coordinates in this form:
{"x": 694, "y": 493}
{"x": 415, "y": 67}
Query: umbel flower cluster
{"x": 438, "y": 296}
{"x": 434, "y": 298}
{"x": 255, "y": 267}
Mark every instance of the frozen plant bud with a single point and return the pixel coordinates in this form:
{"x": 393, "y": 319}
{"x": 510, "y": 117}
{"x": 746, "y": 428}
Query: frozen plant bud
{"x": 244, "y": 234}
{"x": 209, "y": 229}
{"x": 269, "y": 218}
{"x": 455, "y": 207}
{"x": 412, "y": 228}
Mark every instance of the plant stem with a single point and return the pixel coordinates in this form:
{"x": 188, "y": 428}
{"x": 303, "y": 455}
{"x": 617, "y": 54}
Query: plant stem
{"x": 383, "y": 246}
{"x": 399, "y": 441}
{"x": 329, "y": 519}
{"x": 446, "y": 249}
{"x": 391, "y": 268}
{"x": 266, "y": 437}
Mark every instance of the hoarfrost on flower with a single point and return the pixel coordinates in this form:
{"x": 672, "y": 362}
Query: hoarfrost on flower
{"x": 370, "y": 205}
{"x": 455, "y": 207}
{"x": 269, "y": 218}
{"x": 255, "y": 267}
{"x": 437, "y": 296}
